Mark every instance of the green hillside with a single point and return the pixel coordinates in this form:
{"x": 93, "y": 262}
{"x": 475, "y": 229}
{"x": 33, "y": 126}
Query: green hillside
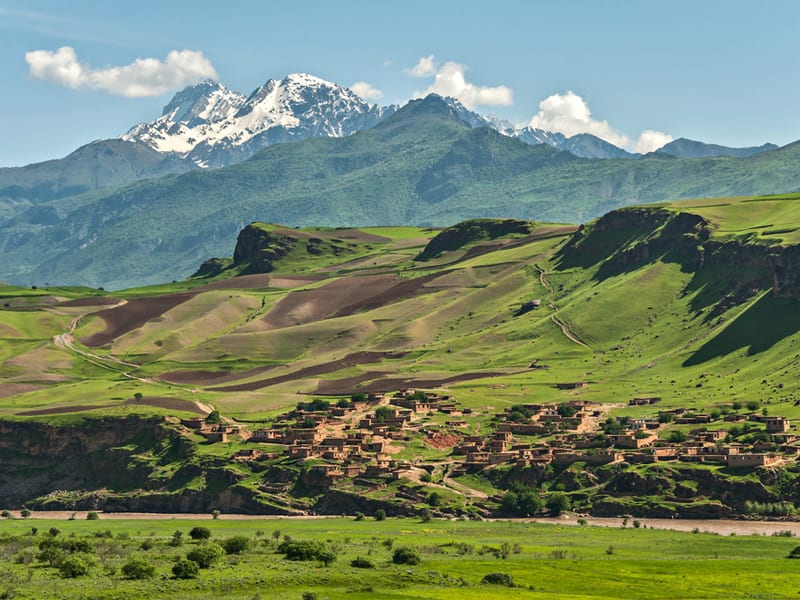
{"x": 421, "y": 166}
{"x": 693, "y": 303}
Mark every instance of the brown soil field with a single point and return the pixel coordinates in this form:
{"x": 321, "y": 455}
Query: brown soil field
{"x": 358, "y": 236}
{"x": 342, "y": 297}
{"x": 91, "y": 301}
{"x": 61, "y": 410}
{"x": 168, "y": 403}
{"x": 259, "y": 280}
{"x": 12, "y": 389}
{"x": 351, "y": 360}
{"x": 404, "y": 383}
{"x": 135, "y": 313}
{"x": 211, "y": 377}
{"x": 348, "y": 385}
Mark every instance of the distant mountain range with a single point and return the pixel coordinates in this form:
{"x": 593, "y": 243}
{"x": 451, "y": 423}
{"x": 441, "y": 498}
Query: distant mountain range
{"x": 423, "y": 164}
{"x": 209, "y": 126}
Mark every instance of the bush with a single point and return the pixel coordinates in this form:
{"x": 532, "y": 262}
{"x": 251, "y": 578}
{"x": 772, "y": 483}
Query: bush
{"x": 25, "y": 513}
{"x": 310, "y": 596}
{"x": 177, "y": 539}
{"x": 185, "y": 569}
{"x": 303, "y": 550}
{"x": 677, "y": 436}
{"x": 73, "y": 566}
{"x": 359, "y": 516}
{"x": 200, "y": 533}
{"x": 425, "y": 515}
{"x": 405, "y": 556}
{"x": 362, "y": 563}
{"x": 54, "y": 531}
{"x": 5, "y": 514}
{"x": 92, "y": 516}
{"x": 138, "y": 568}
{"x": 327, "y": 557}
{"x": 558, "y": 503}
{"x": 794, "y": 553}
{"x": 435, "y": 499}
{"x": 380, "y": 514}
{"x": 521, "y": 502}
{"x": 498, "y": 579}
{"x": 236, "y": 544}
{"x": 206, "y": 555}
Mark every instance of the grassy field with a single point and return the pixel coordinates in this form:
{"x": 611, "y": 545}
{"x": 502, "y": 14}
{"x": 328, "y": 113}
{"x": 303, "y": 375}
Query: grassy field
{"x": 545, "y": 561}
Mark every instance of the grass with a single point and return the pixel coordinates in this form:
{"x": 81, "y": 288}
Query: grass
{"x": 545, "y": 561}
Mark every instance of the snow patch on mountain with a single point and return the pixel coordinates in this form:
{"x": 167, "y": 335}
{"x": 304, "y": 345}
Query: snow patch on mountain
{"x": 214, "y": 126}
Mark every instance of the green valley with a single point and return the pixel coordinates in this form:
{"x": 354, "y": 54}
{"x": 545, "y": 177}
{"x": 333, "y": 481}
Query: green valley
{"x": 645, "y": 363}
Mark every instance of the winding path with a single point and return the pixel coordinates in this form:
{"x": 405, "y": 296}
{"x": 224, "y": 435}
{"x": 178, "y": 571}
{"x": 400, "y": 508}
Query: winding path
{"x": 554, "y": 316}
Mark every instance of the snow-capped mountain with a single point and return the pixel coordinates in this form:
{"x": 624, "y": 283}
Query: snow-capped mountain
{"x": 213, "y": 126}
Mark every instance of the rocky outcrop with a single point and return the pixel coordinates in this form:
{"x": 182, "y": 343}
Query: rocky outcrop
{"x": 261, "y": 248}
{"x": 460, "y": 235}
{"x": 626, "y": 238}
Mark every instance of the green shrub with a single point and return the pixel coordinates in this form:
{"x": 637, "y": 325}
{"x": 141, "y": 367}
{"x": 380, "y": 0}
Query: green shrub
{"x": 380, "y": 515}
{"x": 521, "y": 502}
{"x": 138, "y": 568}
{"x": 405, "y": 556}
{"x": 92, "y": 516}
{"x": 362, "y": 563}
{"x": 185, "y": 569}
{"x": 498, "y": 579}
{"x": 302, "y": 550}
{"x": 200, "y": 533}
{"x": 206, "y": 555}
{"x": 558, "y": 503}
{"x": 73, "y": 566}
{"x": 236, "y": 544}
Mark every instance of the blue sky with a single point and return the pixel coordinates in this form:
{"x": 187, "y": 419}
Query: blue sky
{"x": 719, "y": 71}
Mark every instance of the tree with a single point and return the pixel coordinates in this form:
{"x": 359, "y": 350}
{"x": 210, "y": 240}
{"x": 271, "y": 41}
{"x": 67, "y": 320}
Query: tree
{"x": 214, "y": 417}
{"x": 236, "y": 545}
{"x": 327, "y": 557}
{"x": 73, "y": 566}
{"x": 405, "y": 556}
{"x": 677, "y": 436}
{"x": 558, "y": 503}
{"x": 185, "y": 569}
{"x": 380, "y": 515}
{"x": 25, "y": 513}
{"x": 522, "y": 501}
{"x": 138, "y": 568}
{"x": 383, "y": 412}
{"x": 426, "y": 515}
{"x": 92, "y": 516}
{"x": 200, "y": 533}
{"x": 344, "y": 403}
{"x": 565, "y": 410}
{"x": 435, "y": 499}
{"x": 206, "y": 555}
{"x": 215, "y": 514}
{"x": 360, "y": 397}
{"x": 177, "y": 539}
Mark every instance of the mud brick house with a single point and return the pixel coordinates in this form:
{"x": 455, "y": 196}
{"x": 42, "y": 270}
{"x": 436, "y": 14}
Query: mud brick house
{"x": 777, "y": 424}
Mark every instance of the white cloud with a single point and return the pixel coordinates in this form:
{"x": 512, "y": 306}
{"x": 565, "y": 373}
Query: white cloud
{"x": 650, "y": 141}
{"x": 143, "y": 77}
{"x": 449, "y": 80}
{"x": 425, "y": 67}
{"x": 366, "y": 90}
{"x": 569, "y": 114}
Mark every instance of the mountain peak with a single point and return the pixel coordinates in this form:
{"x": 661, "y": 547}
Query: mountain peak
{"x": 213, "y": 126}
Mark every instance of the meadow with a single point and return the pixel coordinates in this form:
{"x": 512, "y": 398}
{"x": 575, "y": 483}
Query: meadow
{"x": 544, "y": 561}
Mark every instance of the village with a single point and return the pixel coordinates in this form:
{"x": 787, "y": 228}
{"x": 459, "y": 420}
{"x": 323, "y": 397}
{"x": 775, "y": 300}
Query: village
{"x": 360, "y": 436}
